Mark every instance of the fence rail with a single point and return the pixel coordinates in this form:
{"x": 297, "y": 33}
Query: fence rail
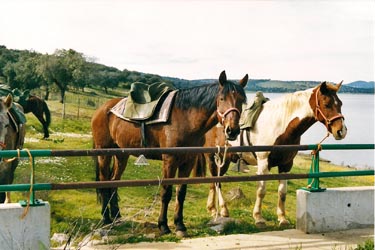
{"x": 314, "y": 171}
{"x": 180, "y": 150}
{"x": 173, "y": 181}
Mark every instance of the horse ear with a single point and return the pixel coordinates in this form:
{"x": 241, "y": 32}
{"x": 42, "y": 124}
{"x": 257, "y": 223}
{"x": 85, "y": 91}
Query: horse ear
{"x": 222, "y": 78}
{"x": 244, "y": 80}
{"x": 323, "y": 88}
{"x": 338, "y": 86}
{"x": 8, "y": 101}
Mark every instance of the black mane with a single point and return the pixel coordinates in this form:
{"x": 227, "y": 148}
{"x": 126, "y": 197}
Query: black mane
{"x": 204, "y": 96}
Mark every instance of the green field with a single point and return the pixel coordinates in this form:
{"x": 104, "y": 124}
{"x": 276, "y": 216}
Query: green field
{"x": 77, "y": 212}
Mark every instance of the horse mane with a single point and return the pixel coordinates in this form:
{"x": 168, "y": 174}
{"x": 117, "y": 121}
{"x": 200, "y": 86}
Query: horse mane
{"x": 289, "y": 105}
{"x": 202, "y": 96}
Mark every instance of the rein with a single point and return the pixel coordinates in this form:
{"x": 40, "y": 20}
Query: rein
{"x": 327, "y": 121}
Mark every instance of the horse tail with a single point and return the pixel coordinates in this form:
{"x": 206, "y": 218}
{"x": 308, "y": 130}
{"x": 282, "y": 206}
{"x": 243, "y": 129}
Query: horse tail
{"x": 199, "y": 169}
{"x": 47, "y": 113}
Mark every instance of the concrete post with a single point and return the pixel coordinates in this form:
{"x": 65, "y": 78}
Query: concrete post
{"x": 31, "y": 232}
{"x": 335, "y": 209}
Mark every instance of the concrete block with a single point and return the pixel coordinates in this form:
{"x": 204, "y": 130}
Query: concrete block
{"x": 335, "y": 209}
{"x": 31, "y": 232}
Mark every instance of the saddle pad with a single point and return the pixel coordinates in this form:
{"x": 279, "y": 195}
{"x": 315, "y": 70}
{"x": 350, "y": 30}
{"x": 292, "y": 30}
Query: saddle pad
{"x": 161, "y": 112}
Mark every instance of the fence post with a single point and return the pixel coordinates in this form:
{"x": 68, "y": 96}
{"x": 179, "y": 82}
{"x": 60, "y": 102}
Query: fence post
{"x": 313, "y": 183}
{"x": 32, "y": 202}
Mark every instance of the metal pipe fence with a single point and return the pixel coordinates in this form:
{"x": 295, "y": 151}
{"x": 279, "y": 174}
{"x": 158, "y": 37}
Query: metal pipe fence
{"x": 313, "y": 175}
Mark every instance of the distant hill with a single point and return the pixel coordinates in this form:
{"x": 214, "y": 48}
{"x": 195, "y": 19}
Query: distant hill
{"x": 361, "y": 84}
{"x": 268, "y": 85}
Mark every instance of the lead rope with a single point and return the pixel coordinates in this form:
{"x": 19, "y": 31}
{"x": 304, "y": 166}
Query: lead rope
{"x": 313, "y": 153}
{"x": 219, "y": 164}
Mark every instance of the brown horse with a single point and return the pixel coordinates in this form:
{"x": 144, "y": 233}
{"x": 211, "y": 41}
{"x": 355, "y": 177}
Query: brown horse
{"x": 39, "y": 108}
{"x": 218, "y": 165}
{"x": 193, "y": 112}
{"x": 282, "y": 122}
{"x": 11, "y": 137}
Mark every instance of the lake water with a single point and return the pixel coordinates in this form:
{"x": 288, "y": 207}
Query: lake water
{"x": 358, "y": 110}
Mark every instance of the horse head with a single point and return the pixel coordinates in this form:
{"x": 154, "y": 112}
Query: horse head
{"x": 5, "y": 105}
{"x": 327, "y": 109}
{"x": 229, "y": 104}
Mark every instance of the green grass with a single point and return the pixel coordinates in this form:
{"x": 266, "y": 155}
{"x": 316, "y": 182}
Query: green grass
{"x": 77, "y": 212}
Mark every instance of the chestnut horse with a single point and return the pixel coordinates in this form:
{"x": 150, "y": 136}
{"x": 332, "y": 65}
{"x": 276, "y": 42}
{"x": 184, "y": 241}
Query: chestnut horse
{"x": 11, "y": 137}
{"x": 194, "y": 111}
{"x": 282, "y": 122}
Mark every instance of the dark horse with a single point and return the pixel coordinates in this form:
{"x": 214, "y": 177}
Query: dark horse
{"x": 282, "y": 122}
{"x": 11, "y": 137}
{"x": 193, "y": 112}
{"x": 39, "y": 108}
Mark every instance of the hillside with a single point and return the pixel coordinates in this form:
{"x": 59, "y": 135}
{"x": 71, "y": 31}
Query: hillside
{"x": 70, "y": 69}
{"x": 268, "y": 85}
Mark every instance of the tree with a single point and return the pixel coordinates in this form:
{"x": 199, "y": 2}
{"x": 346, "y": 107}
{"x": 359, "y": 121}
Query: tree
{"x": 63, "y": 68}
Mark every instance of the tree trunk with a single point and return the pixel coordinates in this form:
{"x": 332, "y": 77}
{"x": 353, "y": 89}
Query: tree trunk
{"x": 46, "y": 95}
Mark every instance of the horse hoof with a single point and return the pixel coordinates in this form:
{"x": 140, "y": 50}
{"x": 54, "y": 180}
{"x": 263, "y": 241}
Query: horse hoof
{"x": 284, "y": 223}
{"x": 260, "y": 224}
{"x": 164, "y": 230}
{"x": 212, "y": 211}
{"x": 224, "y": 213}
{"x": 181, "y": 234}
{"x": 107, "y": 221}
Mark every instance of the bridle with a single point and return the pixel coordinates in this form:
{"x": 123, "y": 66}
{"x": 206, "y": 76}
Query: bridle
{"x": 327, "y": 121}
{"x": 223, "y": 115}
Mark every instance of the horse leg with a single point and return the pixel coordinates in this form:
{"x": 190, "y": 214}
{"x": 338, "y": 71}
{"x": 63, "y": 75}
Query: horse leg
{"x": 169, "y": 171}
{"x": 211, "y": 200}
{"x": 120, "y": 162}
{"x": 184, "y": 171}
{"x": 261, "y": 192}
{"x": 2, "y": 197}
{"x": 45, "y": 130}
{"x": 282, "y": 190}
{"x": 7, "y": 198}
{"x": 166, "y": 195}
{"x": 216, "y": 188}
{"x": 211, "y": 204}
{"x": 224, "y": 212}
{"x": 179, "y": 208}
{"x": 103, "y": 174}
{"x": 44, "y": 125}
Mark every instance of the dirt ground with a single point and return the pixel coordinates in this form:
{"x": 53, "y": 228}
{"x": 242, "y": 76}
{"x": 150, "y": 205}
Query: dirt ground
{"x": 288, "y": 239}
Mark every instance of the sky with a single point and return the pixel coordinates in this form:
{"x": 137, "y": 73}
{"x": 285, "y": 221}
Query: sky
{"x": 323, "y": 40}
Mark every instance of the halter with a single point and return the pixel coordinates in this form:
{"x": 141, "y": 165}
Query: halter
{"x": 327, "y": 121}
{"x": 222, "y": 115}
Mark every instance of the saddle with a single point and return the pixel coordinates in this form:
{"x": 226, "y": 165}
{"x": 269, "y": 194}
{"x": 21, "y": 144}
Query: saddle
{"x": 251, "y": 113}
{"x": 146, "y": 104}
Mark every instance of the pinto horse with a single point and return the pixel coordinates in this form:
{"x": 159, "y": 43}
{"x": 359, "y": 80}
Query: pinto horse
{"x": 40, "y": 109}
{"x": 194, "y": 111}
{"x": 282, "y": 122}
{"x": 11, "y": 137}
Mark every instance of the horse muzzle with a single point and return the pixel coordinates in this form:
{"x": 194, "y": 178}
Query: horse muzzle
{"x": 231, "y": 133}
{"x": 339, "y": 130}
